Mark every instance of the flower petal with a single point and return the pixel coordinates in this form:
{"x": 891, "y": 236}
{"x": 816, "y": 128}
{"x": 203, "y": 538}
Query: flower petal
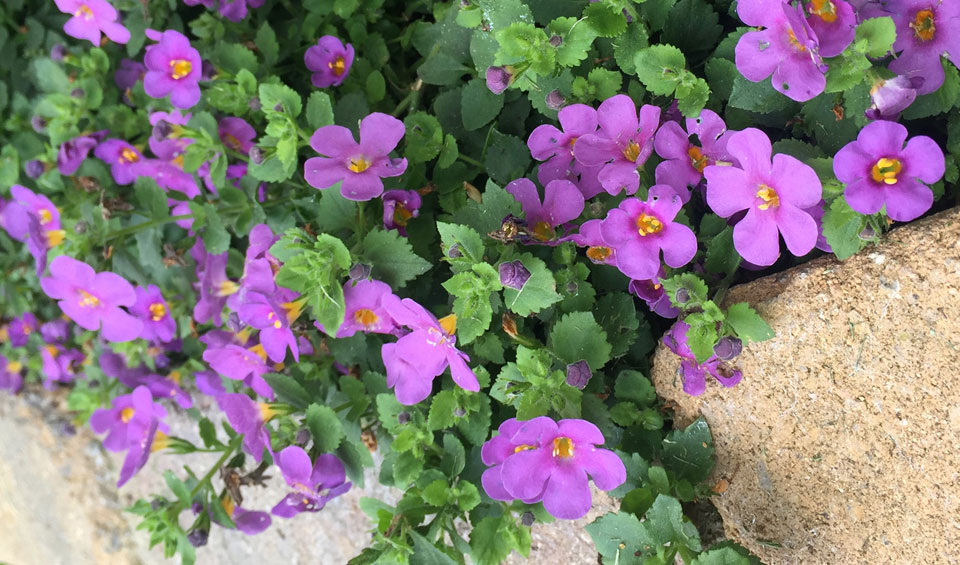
{"x": 924, "y": 159}
{"x": 728, "y": 190}
{"x": 796, "y": 182}
{"x": 567, "y": 495}
{"x": 907, "y": 200}
{"x": 605, "y": 468}
{"x": 757, "y": 239}
{"x": 798, "y": 228}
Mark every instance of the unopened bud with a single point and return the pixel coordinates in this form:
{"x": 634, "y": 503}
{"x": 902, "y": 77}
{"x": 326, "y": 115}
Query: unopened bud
{"x": 578, "y": 374}
{"x": 34, "y": 168}
{"x": 682, "y": 296}
{"x": 728, "y": 348}
{"x": 77, "y": 93}
{"x": 454, "y": 251}
{"x": 459, "y": 412}
{"x": 499, "y": 79}
{"x": 198, "y": 538}
{"x": 254, "y": 104}
{"x": 359, "y": 272}
{"x": 555, "y": 100}
{"x": 403, "y": 417}
{"x": 527, "y": 519}
{"x": 58, "y": 52}
{"x": 256, "y": 155}
{"x": 38, "y": 123}
{"x": 513, "y": 275}
{"x": 556, "y": 40}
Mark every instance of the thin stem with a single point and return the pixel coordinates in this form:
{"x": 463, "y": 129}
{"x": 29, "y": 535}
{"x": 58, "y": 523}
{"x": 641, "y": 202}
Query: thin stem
{"x": 470, "y": 160}
{"x": 145, "y": 226}
{"x": 231, "y": 447}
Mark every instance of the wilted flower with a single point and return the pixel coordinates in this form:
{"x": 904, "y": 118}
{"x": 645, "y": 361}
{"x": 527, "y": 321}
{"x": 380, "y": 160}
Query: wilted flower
{"x": 73, "y": 153}
{"x": 892, "y": 96}
{"x": 579, "y": 374}
{"x": 399, "y": 207}
{"x": 513, "y": 274}
{"x": 128, "y": 73}
{"x": 694, "y": 374}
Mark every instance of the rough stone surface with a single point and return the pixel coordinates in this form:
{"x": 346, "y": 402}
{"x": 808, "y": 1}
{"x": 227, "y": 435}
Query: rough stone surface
{"x": 842, "y": 443}
{"x": 59, "y": 504}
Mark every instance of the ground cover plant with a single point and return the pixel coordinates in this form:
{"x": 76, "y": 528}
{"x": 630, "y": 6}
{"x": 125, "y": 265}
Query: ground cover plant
{"x": 446, "y": 233}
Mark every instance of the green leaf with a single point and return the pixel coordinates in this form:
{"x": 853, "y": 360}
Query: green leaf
{"x": 694, "y": 285}
{"x": 659, "y": 68}
{"x": 605, "y": 20}
{"x": 424, "y": 137}
{"x": 335, "y": 213}
{"x": 619, "y": 538}
{"x": 177, "y": 487}
{"x": 539, "y": 292}
{"x": 288, "y": 390}
{"x": 693, "y": 26}
{"x": 325, "y": 427}
{"x": 722, "y": 257}
{"x": 692, "y": 95}
{"x": 478, "y": 105}
{"x": 442, "y": 409}
{"x": 878, "y": 34}
{"x": 472, "y": 305}
{"x": 524, "y": 42}
{"x": 449, "y": 152}
{"x": 467, "y": 241}
{"x": 151, "y": 198}
{"x": 488, "y": 546}
{"x": 665, "y": 524}
{"x": 208, "y": 433}
{"x": 750, "y": 327}
{"x": 633, "y": 385}
{"x": 233, "y": 57}
{"x": 425, "y": 553}
{"x": 272, "y": 95}
{"x": 487, "y": 216}
{"x": 757, "y": 96}
{"x": 319, "y": 110}
{"x": 216, "y": 238}
{"x": 454, "y": 457}
{"x": 376, "y": 87}
{"x": 577, "y": 336}
{"x": 689, "y": 453}
{"x": 392, "y": 258}
{"x": 266, "y": 41}
{"x": 576, "y": 39}
{"x": 437, "y": 493}
{"x": 722, "y": 556}
{"x": 501, "y": 13}
{"x": 655, "y": 12}
{"x": 627, "y": 45}
{"x": 49, "y": 76}
{"x": 507, "y": 158}
{"x": 842, "y": 227}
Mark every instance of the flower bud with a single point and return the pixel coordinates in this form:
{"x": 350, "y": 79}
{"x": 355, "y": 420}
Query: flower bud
{"x": 454, "y": 251}
{"x": 58, "y": 52}
{"x": 303, "y": 436}
{"x": 682, "y": 296}
{"x": 728, "y": 348}
{"x": 578, "y": 374}
{"x": 555, "y": 100}
{"x": 527, "y": 519}
{"x": 256, "y": 155}
{"x": 556, "y": 40}
{"x": 513, "y": 275}
{"x": 77, "y": 93}
{"x": 254, "y": 104}
{"x": 459, "y": 412}
{"x": 499, "y": 78}
{"x": 360, "y": 271}
{"x": 198, "y": 538}
{"x": 80, "y": 227}
{"x": 403, "y": 417}
{"x": 34, "y": 168}
{"x": 162, "y": 130}
{"x": 38, "y": 123}
{"x": 572, "y": 287}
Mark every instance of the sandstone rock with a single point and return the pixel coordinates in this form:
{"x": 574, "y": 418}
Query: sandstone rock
{"x": 842, "y": 443}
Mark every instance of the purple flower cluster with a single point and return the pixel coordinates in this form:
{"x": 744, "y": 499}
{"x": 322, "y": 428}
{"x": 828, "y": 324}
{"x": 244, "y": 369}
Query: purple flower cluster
{"x": 693, "y": 373}
{"x": 233, "y": 10}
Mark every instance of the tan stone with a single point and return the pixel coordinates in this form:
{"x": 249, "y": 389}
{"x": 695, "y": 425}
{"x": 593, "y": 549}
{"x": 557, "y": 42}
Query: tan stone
{"x": 842, "y": 442}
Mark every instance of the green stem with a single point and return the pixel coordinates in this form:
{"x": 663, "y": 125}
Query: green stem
{"x": 470, "y": 160}
{"x": 231, "y": 447}
{"x": 407, "y": 100}
{"x": 145, "y": 226}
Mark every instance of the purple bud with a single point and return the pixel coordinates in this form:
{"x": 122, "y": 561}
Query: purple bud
{"x": 38, "y": 123}
{"x": 157, "y": 503}
{"x": 80, "y": 227}
{"x": 256, "y": 155}
{"x": 578, "y": 374}
{"x": 682, "y": 296}
{"x": 198, "y": 538}
{"x": 58, "y": 52}
{"x": 207, "y": 70}
{"x": 359, "y": 272}
{"x": 278, "y": 107}
{"x": 868, "y": 233}
{"x": 34, "y": 168}
{"x": 254, "y": 104}
{"x": 728, "y": 348}
{"x": 527, "y": 519}
{"x": 454, "y": 251}
{"x": 513, "y": 275}
{"x": 303, "y": 436}
{"x": 572, "y": 287}
{"x": 77, "y": 93}
{"x": 499, "y": 78}
{"x": 403, "y": 417}
{"x": 556, "y": 40}
{"x": 555, "y": 100}
{"x": 459, "y": 412}
{"x": 162, "y": 130}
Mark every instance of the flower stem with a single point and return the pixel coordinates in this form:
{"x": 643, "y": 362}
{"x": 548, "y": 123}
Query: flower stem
{"x": 231, "y": 447}
{"x": 470, "y": 161}
{"x": 145, "y": 226}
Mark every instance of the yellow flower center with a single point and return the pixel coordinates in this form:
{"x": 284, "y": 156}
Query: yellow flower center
{"x": 294, "y": 309}
{"x": 178, "y": 161}
{"x": 52, "y": 350}
{"x": 180, "y": 68}
{"x": 401, "y": 215}
{"x": 647, "y": 225}
{"x": 127, "y": 414}
{"x": 572, "y": 142}
{"x": 55, "y": 237}
{"x": 598, "y": 254}
{"x": 449, "y": 324}
{"x": 227, "y": 288}
{"x": 45, "y": 216}
{"x": 84, "y": 12}
{"x": 886, "y": 170}
{"x": 14, "y": 366}
{"x": 793, "y": 41}
{"x": 129, "y": 155}
{"x": 267, "y": 411}
{"x": 523, "y": 447}
{"x": 825, "y": 9}
{"x": 232, "y": 142}
{"x": 542, "y": 231}
{"x": 276, "y": 321}
{"x": 88, "y": 300}
{"x": 923, "y": 25}
{"x": 365, "y": 317}
{"x": 563, "y": 447}
{"x": 160, "y": 441}
{"x": 175, "y": 376}
{"x": 359, "y": 164}
{"x": 769, "y": 197}
{"x": 632, "y": 151}
{"x": 697, "y": 159}
{"x": 338, "y": 65}
{"x": 259, "y": 352}
{"x": 157, "y": 311}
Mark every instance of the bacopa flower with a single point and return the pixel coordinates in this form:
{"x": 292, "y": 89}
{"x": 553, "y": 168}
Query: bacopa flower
{"x": 213, "y": 285}
{"x": 73, "y": 153}
{"x": 153, "y": 311}
{"x": 554, "y": 147}
{"x": 114, "y": 365}
{"x": 597, "y": 250}
{"x": 236, "y": 10}
{"x": 11, "y": 378}
{"x": 775, "y": 197}
{"x": 399, "y": 207}
{"x": 890, "y": 97}
{"x": 20, "y": 329}
{"x": 273, "y": 319}
{"x": 241, "y": 364}
{"x": 359, "y": 167}
{"x": 499, "y": 78}
{"x": 787, "y": 47}
{"x": 93, "y": 300}
{"x": 639, "y": 231}
{"x": 423, "y": 354}
{"x": 26, "y": 204}
{"x": 684, "y": 161}
{"x": 236, "y": 134}
{"x": 127, "y": 419}
{"x": 562, "y": 203}
{"x": 365, "y": 311}
{"x": 623, "y": 144}
{"x": 122, "y": 157}
{"x": 550, "y": 461}
{"x": 90, "y": 18}
{"x": 173, "y": 68}
{"x": 329, "y": 60}
{"x": 651, "y": 292}
{"x": 315, "y": 483}
{"x": 248, "y": 418}
{"x": 879, "y": 171}
{"x": 834, "y": 22}
{"x": 693, "y": 373}
{"x": 128, "y": 73}
{"x": 926, "y": 30}
{"x": 60, "y": 365}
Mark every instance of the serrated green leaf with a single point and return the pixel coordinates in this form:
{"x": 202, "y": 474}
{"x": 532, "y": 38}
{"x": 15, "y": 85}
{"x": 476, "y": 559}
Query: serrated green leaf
{"x": 619, "y": 538}
{"x": 750, "y": 327}
{"x": 576, "y": 39}
{"x": 392, "y": 258}
{"x": 605, "y": 20}
{"x": 577, "y": 336}
{"x": 288, "y": 390}
{"x": 325, "y": 428}
{"x": 842, "y": 226}
{"x": 689, "y": 453}
{"x": 424, "y": 137}
{"x": 478, "y": 105}
{"x": 425, "y": 553}
{"x": 659, "y": 68}
{"x": 266, "y": 41}
{"x": 539, "y": 292}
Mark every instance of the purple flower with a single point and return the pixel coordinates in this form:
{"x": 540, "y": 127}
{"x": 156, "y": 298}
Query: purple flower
{"x": 152, "y": 310}
{"x": 550, "y": 462}
{"x": 423, "y": 354}
{"x": 315, "y": 484}
{"x": 499, "y": 78}
{"x": 365, "y": 310}
{"x": 128, "y": 418}
{"x": 249, "y": 419}
{"x": 638, "y": 231}
{"x": 169, "y": 175}
{"x": 273, "y": 319}
{"x": 555, "y": 148}
{"x": 20, "y": 329}
{"x": 149, "y": 440}
{"x": 173, "y": 68}
{"x": 60, "y": 365}
{"x": 165, "y": 141}
{"x": 241, "y": 364}
{"x": 359, "y": 166}
{"x": 597, "y": 250}
{"x": 879, "y": 171}
{"x": 26, "y": 204}
{"x": 122, "y": 157}
{"x": 236, "y": 134}
{"x": 34, "y": 168}
{"x": 513, "y": 274}
{"x": 213, "y": 285}
{"x": 73, "y": 153}
{"x": 10, "y": 377}
{"x": 651, "y": 292}
{"x": 786, "y": 47}
{"x": 92, "y": 299}
{"x": 622, "y": 145}
{"x": 816, "y": 212}
{"x": 90, "y": 17}
{"x": 693, "y": 373}
{"x": 684, "y": 161}
{"x": 128, "y": 73}
{"x": 892, "y": 96}
{"x": 330, "y": 62}
{"x": 55, "y": 331}
{"x": 236, "y": 11}
{"x": 926, "y": 30}
{"x": 399, "y": 206}
{"x": 775, "y": 197}
{"x": 562, "y": 203}
{"x": 834, "y": 23}
{"x": 209, "y": 383}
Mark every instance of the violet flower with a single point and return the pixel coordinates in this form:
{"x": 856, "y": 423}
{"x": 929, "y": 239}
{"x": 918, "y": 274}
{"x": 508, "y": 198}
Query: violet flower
{"x": 273, "y": 319}
{"x": 90, "y": 18}
{"x": 213, "y": 285}
{"x": 173, "y": 68}
{"x": 892, "y": 96}
{"x": 236, "y": 10}
{"x": 60, "y": 365}
{"x": 684, "y": 161}
{"x": 92, "y": 299}
{"x": 786, "y": 47}
{"x": 122, "y": 157}
{"x": 73, "y": 153}
{"x": 11, "y": 378}
{"x": 365, "y": 310}
{"x": 579, "y": 374}
{"x": 399, "y": 207}
{"x": 552, "y": 460}
{"x": 249, "y": 419}
{"x": 499, "y": 78}
{"x": 926, "y": 30}
{"x": 693, "y": 373}
{"x": 879, "y": 171}
{"x": 55, "y": 331}
{"x": 165, "y": 141}
{"x": 315, "y": 483}
{"x": 148, "y": 441}
{"x": 329, "y": 61}
{"x": 423, "y": 354}
{"x": 639, "y": 231}
{"x": 128, "y": 73}
{"x": 236, "y": 134}
{"x": 169, "y": 175}
{"x": 598, "y": 251}
{"x": 651, "y": 292}
{"x": 774, "y": 196}
{"x": 562, "y": 203}
{"x": 20, "y": 328}
{"x": 242, "y": 364}
{"x": 500, "y": 447}
{"x": 358, "y": 166}
{"x": 152, "y": 310}
{"x": 623, "y": 144}
{"x": 834, "y": 22}
{"x": 127, "y": 419}
{"x": 555, "y": 148}
{"x": 26, "y": 204}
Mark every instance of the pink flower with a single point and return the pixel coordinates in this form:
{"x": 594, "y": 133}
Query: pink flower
{"x": 173, "y": 68}
{"x": 330, "y": 60}
{"x": 90, "y": 18}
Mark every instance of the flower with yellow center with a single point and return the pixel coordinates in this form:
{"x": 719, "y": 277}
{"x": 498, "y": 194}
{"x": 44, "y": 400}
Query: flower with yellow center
{"x": 923, "y": 25}
{"x": 180, "y": 68}
{"x": 886, "y": 170}
{"x": 14, "y": 367}
{"x": 697, "y": 159}
{"x": 294, "y": 309}
{"x": 259, "y": 352}
{"x": 338, "y": 65}
{"x": 632, "y": 151}
{"x": 825, "y": 9}
{"x": 365, "y": 317}
{"x": 769, "y": 197}
{"x": 647, "y": 225}
{"x": 358, "y": 164}
{"x": 157, "y": 311}
{"x": 401, "y": 215}
{"x": 84, "y": 12}
{"x": 88, "y": 300}
{"x": 127, "y": 414}
{"x": 562, "y": 448}
{"x": 128, "y": 155}
{"x": 599, "y": 254}
{"x": 542, "y": 231}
